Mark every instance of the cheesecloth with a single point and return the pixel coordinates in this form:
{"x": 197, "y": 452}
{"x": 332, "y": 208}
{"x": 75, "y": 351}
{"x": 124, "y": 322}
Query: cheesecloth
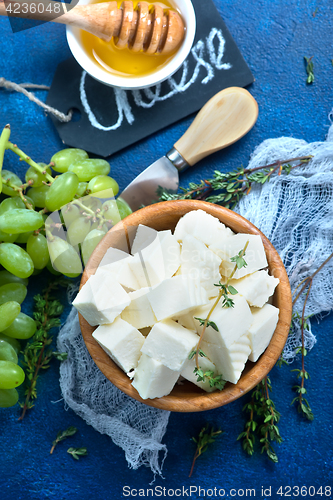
{"x": 295, "y": 212}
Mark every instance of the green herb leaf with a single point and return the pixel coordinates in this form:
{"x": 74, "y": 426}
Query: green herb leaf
{"x": 77, "y": 452}
{"x": 206, "y": 437}
{"x": 63, "y": 435}
{"x": 309, "y": 69}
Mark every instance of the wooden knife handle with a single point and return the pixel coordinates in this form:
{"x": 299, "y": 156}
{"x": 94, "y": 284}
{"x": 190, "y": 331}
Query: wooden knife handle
{"x": 224, "y": 119}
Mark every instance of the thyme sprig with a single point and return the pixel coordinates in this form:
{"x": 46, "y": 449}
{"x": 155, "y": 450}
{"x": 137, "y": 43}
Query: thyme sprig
{"x": 303, "y": 404}
{"x": 309, "y": 69}
{"x": 228, "y": 188}
{"x": 62, "y": 435}
{"x": 263, "y": 420}
{"x": 206, "y": 437}
{"x": 216, "y": 380}
{"x": 36, "y": 355}
{"x": 77, "y": 452}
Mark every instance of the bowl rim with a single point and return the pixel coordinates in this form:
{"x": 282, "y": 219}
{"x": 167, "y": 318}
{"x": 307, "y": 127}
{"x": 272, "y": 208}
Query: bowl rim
{"x": 197, "y": 400}
{"x": 136, "y": 83}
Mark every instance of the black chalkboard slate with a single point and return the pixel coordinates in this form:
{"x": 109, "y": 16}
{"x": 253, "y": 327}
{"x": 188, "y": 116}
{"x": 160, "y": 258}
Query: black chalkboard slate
{"x": 112, "y": 119}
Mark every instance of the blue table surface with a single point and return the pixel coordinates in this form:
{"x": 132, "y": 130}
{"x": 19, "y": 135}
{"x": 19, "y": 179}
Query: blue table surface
{"x": 274, "y": 37}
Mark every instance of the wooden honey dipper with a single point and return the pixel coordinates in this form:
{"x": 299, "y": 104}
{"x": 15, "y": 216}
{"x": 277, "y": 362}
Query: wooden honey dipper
{"x": 147, "y": 28}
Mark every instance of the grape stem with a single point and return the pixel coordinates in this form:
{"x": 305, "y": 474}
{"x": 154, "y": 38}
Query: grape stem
{"x": 18, "y": 190}
{"x": 29, "y": 161}
{"x": 87, "y": 212}
{"x": 4, "y": 138}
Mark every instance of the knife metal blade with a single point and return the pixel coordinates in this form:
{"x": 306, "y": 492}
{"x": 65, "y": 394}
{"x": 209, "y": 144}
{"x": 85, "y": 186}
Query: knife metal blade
{"x": 223, "y": 120}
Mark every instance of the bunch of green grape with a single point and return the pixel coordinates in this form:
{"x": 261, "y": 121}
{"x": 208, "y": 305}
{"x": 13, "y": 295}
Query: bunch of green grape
{"x": 53, "y": 220}
{"x": 30, "y": 239}
{"x": 14, "y": 325}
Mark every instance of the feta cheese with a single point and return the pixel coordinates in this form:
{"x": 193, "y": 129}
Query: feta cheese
{"x": 122, "y": 342}
{"x": 139, "y": 312}
{"x": 170, "y": 343}
{"x": 113, "y": 255}
{"x": 100, "y": 301}
{"x": 197, "y": 260}
{"x": 152, "y": 379}
{"x": 229, "y": 362}
{"x": 202, "y": 226}
{"x": 227, "y": 248}
{"x": 256, "y": 288}
{"x": 206, "y": 365}
{"x": 176, "y": 295}
{"x": 157, "y": 261}
{"x": 119, "y": 270}
{"x": 143, "y": 237}
{"x": 263, "y": 325}
{"x": 232, "y": 322}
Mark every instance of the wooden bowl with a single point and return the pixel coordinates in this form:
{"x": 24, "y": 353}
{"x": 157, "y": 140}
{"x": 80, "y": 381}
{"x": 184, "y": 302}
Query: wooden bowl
{"x": 188, "y": 397}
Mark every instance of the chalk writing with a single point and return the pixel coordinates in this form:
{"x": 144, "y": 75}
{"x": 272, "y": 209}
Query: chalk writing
{"x": 214, "y": 46}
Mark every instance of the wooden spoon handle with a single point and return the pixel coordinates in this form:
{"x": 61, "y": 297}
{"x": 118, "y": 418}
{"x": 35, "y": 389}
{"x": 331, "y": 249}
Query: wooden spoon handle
{"x": 224, "y": 119}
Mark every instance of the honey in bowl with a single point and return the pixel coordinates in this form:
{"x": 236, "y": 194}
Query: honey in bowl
{"x": 124, "y": 61}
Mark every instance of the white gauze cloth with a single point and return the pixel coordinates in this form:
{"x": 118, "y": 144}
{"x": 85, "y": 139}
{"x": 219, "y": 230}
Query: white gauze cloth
{"x": 295, "y": 212}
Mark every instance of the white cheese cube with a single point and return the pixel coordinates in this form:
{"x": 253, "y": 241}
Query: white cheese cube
{"x": 170, "y": 343}
{"x": 263, "y": 325}
{"x": 256, "y": 288}
{"x": 122, "y": 342}
{"x": 157, "y": 261}
{"x": 139, "y": 312}
{"x": 196, "y": 259}
{"x": 206, "y": 365}
{"x": 143, "y": 237}
{"x": 120, "y": 271}
{"x": 229, "y": 362}
{"x": 112, "y": 255}
{"x": 100, "y": 302}
{"x": 186, "y": 320}
{"x": 152, "y": 379}
{"x": 109, "y": 296}
{"x": 227, "y": 248}
{"x": 202, "y": 226}
{"x": 84, "y": 303}
{"x": 176, "y": 295}
{"x": 232, "y": 322}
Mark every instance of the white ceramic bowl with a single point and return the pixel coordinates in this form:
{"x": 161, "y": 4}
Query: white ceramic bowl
{"x": 136, "y": 82}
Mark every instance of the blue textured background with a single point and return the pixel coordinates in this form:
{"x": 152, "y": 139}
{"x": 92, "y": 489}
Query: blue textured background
{"x": 273, "y": 37}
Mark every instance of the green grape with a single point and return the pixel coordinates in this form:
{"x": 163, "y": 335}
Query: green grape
{"x": 34, "y": 177}
{"x": 13, "y": 342}
{"x": 16, "y": 260}
{"x": 92, "y": 203}
{"x": 8, "y": 312}
{"x": 8, "y": 238}
{"x": 87, "y": 169}
{"x": 36, "y": 272}
{"x": 70, "y": 213}
{"x": 8, "y": 397}
{"x": 23, "y": 327}
{"x": 104, "y": 183}
{"x": 20, "y": 220}
{"x": 124, "y": 208}
{"x": 50, "y": 268}
{"x": 7, "y": 352}
{"x": 11, "y": 375}
{"x": 13, "y": 291}
{"x": 82, "y": 189}
{"x": 97, "y": 225}
{"x": 7, "y": 277}
{"x": 90, "y": 243}
{"x": 66, "y": 157}
{"x": 78, "y": 230}
{"x": 23, "y": 237}
{"x": 14, "y": 179}
{"x": 10, "y": 204}
{"x": 64, "y": 258}
{"x": 62, "y": 191}
{"x": 38, "y": 251}
{"x": 38, "y": 194}
{"x": 110, "y": 211}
